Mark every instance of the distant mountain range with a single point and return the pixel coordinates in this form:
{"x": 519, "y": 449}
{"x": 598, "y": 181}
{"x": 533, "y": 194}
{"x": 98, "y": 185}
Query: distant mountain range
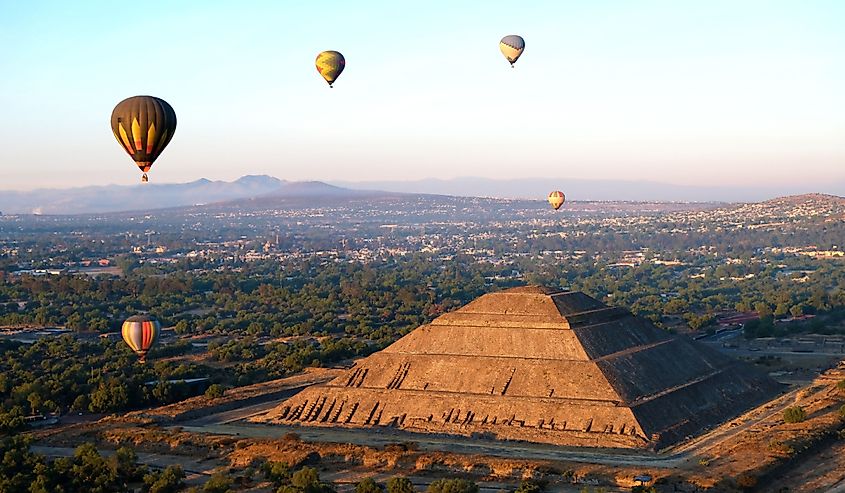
{"x": 259, "y": 190}
{"x": 114, "y": 198}
{"x": 611, "y": 190}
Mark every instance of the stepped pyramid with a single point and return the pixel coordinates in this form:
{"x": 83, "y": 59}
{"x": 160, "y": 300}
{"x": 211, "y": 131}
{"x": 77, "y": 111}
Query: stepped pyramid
{"x": 533, "y": 364}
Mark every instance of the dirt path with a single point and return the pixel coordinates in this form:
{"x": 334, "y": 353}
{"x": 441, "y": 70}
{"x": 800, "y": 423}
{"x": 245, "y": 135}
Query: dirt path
{"x": 231, "y": 423}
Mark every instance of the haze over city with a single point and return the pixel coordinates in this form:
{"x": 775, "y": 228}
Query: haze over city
{"x": 708, "y": 93}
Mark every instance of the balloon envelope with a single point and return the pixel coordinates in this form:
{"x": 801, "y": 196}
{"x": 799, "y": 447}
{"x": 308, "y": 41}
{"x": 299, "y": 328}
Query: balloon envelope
{"x": 140, "y": 333}
{"x": 512, "y": 47}
{"x": 330, "y": 64}
{"x": 143, "y": 126}
{"x": 557, "y": 198}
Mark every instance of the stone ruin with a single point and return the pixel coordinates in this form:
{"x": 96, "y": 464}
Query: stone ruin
{"x": 538, "y": 365}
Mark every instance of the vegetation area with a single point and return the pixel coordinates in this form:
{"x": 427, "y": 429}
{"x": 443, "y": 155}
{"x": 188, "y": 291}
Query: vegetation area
{"x": 339, "y": 285}
{"x": 86, "y": 471}
{"x": 263, "y": 322}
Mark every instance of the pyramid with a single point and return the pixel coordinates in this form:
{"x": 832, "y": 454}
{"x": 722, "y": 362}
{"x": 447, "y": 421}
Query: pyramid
{"x": 538, "y": 365}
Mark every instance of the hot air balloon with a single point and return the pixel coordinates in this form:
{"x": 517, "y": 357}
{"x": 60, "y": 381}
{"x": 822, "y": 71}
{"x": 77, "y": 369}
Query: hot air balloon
{"x": 143, "y": 125}
{"x": 557, "y": 198}
{"x": 140, "y": 333}
{"x": 512, "y": 47}
{"x": 330, "y": 64}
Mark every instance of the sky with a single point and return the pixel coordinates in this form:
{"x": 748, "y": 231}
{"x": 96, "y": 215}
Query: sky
{"x": 716, "y": 92}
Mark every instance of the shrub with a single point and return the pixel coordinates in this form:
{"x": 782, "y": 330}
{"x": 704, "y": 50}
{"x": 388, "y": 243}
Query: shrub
{"x": 842, "y": 412}
{"x": 276, "y": 472}
{"x": 780, "y": 448}
{"x": 305, "y": 477}
{"x": 218, "y": 483}
{"x": 169, "y": 480}
{"x": 531, "y": 486}
{"x": 643, "y": 489}
{"x": 400, "y": 485}
{"x": 452, "y": 486}
{"x": 368, "y": 485}
{"x": 794, "y": 414}
{"x": 215, "y": 390}
{"x": 746, "y": 481}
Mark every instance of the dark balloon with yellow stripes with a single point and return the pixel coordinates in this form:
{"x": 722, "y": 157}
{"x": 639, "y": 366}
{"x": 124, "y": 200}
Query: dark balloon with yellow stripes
{"x": 140, "y": 333}
{"x": 143, "y": 126}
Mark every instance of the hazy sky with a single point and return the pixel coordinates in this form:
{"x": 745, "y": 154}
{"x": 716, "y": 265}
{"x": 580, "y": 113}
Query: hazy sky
{"x": 689, "y": 92}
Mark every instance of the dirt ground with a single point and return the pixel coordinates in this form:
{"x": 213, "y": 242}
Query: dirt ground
{"x": 769, "y": 450}
{"x": 820, "y": 471}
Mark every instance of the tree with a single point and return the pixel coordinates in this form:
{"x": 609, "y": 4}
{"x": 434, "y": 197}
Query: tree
{"x": 20, "y": 468}
{"x": 218, "y": 483}
{"x": 12, "y": 420}
{"x": 781, "y": 309}
{"x": 794, "y": 414}
{"x": 89, "y": 471}
{"x": 305, "y": 477}
{"x": 276, "y": 472}
{"x": 368, "y": 485}
{"x": 81, "y": 403}
{"x": 763, "y": 309}
{"x": 306, "y": 480}
{"x": 182, "y": 327}
{"x": 170, "y": 480}
{"x": 125, "y": 465}
{"x": 400, "y": 485}
{"x": 112, "y": 396}
{"x": 452, "y": 486}
{"x": 35, "y": 402}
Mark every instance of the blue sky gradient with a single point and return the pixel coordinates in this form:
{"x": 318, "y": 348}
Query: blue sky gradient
{"x": 688, "y": 92}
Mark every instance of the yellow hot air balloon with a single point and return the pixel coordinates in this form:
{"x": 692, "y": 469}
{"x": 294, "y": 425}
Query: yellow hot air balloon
{"x": 512, "y": 47}
{"x": 557, "y": 198}
{"x": 330, "y": 64}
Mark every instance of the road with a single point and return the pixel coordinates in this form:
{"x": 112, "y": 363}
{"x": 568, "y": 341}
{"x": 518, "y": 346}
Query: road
{"x": 702, "y": 444}
{"x": 233, "y": 415}
{"x": 432, "y": 443}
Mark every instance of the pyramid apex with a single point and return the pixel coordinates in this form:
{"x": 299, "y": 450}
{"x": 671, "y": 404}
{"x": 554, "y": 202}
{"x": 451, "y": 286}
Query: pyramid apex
{"x": 532, "y": 289}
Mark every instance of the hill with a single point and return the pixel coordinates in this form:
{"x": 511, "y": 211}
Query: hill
{"x": 116, "y": 198}
{"x": 588, "y": 190}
